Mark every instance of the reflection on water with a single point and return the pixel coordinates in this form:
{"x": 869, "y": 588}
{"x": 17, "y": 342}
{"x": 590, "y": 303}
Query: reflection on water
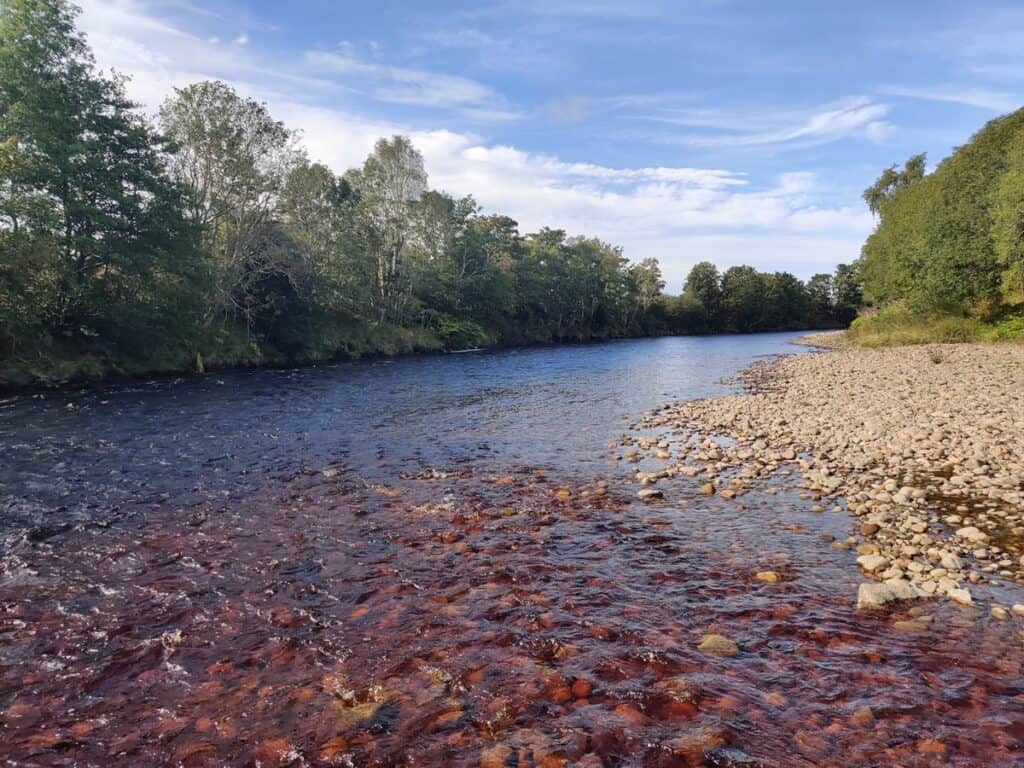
{"x": 442, "y": 600}
{"x": 86, "y": 452}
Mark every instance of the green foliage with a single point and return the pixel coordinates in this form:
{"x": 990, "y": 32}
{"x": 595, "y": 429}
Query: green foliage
{"x": 745, "y": 300}
{"x": 93, "y": 232}
{"x": 1008, "y": 221}
{"x": 898, "y": 325}
{"x": 950, "y": 242}
{"x": 891, "y": 181}
{"x": 460, "y": 334}
{"x": 703, "y": 292}
{"x": 1009, "y": 329}
{"x": 216, "y": 242}
{"x": 233, "y": 161}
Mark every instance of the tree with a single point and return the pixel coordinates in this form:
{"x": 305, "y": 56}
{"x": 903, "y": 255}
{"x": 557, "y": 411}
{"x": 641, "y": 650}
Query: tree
{"x": 942, "y": 242}
{"x": 316, "y": 211}
{"x": 1008, "y": 221}
{"x": 703, "y": 285}
{"x": 233, "y": 159}
{"x": 786, "y": 301}
{"x": 820, "y": 291}
{"x": 84, "y": 179}
{"x": 484, "y": 262}
{"x": 847, "y": 296}
{"x": 891, "y": 181}
{"x": 646, "y": 276}
{"x": 392, "y": 181}
{"x": 743, "y": 299}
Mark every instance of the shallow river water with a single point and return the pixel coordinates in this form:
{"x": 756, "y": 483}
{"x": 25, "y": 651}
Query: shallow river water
{"x": 442, "y": 561}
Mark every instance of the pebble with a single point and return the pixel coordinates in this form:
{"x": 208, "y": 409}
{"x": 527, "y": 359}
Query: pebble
{"x": 962, "y": 596}
{"x": 718, "y": 645}
{"x": 872, "y": 563}
{"x": 876, "y": 594}
{"x": 928, "y": 457}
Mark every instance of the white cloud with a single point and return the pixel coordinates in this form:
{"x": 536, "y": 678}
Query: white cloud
{"x": 242, "y": 39}
{"x": 983, "y": 98}
{"x": 985, "y": 44}
{"x": 158, "y": 56}
{"x": 403, "y": 85}
{"x": 853, "y": 118}
{"x": 679, "y": 214}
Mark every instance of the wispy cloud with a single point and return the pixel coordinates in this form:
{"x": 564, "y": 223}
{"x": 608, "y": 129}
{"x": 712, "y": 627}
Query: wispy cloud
{"x": 983, "y": 98}
{"x": 854, "y": 118}
{"x": 404, "y": 85}
{"x": 600, "y": 9}
{"x": 156, "y": 53}
{"x": 983, "y": 43}
{"x": 680, "y": 212}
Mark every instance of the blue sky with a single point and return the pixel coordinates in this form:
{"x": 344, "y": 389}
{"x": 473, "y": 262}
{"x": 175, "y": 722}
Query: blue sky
{"x": 739, "y": 132}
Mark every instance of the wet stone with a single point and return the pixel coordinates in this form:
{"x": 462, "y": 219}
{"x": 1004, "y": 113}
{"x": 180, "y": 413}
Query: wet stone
{"x": 718, "y": 645}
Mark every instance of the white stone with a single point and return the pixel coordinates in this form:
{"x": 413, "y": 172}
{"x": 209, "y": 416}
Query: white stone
{"x": 872, "y": 563}
{"x": 874, "y": 595}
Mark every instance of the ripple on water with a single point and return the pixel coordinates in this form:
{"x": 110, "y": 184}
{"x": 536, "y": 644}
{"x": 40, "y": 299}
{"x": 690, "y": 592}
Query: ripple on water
{"x": 471, "y": 618}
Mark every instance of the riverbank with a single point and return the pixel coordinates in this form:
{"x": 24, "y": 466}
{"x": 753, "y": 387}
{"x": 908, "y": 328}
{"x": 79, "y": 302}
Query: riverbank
{"x": 54, "y": 371}
{"x": 923, "y": 445}
{"x": 896, "y": 326}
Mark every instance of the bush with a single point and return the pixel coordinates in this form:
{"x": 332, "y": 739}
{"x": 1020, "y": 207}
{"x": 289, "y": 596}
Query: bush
{"x": 896, "y": 325}
{"x": 1011, "y": 329}
{"x": 460, "y": 334}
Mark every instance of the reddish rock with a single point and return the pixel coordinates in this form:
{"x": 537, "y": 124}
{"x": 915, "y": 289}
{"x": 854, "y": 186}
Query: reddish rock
{"x": 581, "y": 688}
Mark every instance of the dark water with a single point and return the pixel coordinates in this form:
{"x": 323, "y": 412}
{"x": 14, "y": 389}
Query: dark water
{"x": 199, "y": 437}
{"x": 476, "y": 584}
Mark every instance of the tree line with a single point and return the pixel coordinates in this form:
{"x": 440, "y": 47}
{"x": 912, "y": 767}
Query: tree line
{"x": 951, "y": 242}
{"x": 743, "y": 300}
{"x": 211, "y": 238}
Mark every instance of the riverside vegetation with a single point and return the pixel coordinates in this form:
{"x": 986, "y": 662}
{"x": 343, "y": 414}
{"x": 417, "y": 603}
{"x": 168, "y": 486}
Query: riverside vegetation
{"x": 212, "y": 239}
{"x": 946, "y": 261}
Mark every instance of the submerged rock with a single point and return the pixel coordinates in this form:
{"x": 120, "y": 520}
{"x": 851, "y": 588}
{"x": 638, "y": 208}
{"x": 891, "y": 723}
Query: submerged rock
{"x": 962, "y": 596}
{"x": 972, "y": 534}
{"x": 876, "y": 594}
{"x": 718, "y": 645}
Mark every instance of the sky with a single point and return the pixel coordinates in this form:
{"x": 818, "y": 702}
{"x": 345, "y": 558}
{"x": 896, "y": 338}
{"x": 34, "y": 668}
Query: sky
{"x": 728, "y": 131}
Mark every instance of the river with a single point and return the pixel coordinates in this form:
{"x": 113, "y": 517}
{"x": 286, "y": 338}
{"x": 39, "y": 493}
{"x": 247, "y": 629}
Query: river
{"x": 442, "y": 561}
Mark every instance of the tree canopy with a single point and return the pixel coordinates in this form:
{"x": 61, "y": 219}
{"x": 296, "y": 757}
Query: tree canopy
{"x": 211, "y": 238}
{"x": 950, "y": 241}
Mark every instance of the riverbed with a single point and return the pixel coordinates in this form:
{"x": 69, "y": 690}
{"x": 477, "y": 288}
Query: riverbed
{"x": 443, "y": 561}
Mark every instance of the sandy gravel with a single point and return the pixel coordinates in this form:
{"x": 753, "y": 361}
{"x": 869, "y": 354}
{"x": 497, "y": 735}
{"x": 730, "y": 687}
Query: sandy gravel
{"x": 925, "y": 445}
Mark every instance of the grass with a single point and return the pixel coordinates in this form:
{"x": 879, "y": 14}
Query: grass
{"x": 896, "y": 326}
{"x": 52, "y": 364}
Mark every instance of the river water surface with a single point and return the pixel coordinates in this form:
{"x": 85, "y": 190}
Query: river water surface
{"x": 442, "y": 561}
